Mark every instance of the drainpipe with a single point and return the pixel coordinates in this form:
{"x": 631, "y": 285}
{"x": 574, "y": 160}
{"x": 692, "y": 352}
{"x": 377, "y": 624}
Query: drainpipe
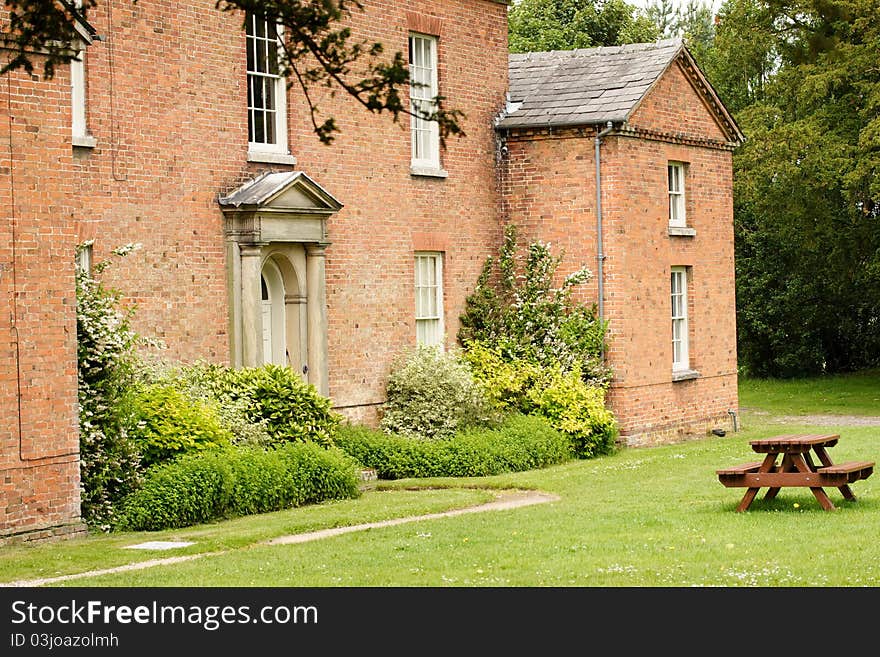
{"x": 600, "y": 256}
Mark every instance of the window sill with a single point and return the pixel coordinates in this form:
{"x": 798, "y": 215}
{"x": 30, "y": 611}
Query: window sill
{"x": 685, "y": 375}
{"x": 84, "y": 141}
{"x": 682, "y": 231}
{"x": 428, "y": 172}
{"x": 269, "y": 157}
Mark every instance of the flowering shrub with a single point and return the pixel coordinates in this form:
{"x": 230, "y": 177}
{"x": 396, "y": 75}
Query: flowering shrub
{"x": 534, "y": 350}
{"x": 517, "y": 311}
{"x": 109, "y": 460}
{"x": 432, "y": 394}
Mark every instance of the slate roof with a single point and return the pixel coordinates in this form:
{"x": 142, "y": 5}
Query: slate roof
{"x": 586, "y": 86}
{"x": 260, "y": 189}
{"x": 264, "y": 187}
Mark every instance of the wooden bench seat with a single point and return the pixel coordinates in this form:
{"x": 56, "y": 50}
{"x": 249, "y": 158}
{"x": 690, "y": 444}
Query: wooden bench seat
{"x": 746, "y": 475}
{"x": 740, "y": 469}
{"x": 846, "y": 473}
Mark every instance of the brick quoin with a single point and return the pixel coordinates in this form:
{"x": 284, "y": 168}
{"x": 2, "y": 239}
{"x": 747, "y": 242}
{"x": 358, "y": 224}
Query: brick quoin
{"x": 167, "y": 107}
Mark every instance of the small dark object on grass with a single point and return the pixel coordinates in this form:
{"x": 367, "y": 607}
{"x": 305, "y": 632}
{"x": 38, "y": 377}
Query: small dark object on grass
{"x": 719, "y": 432}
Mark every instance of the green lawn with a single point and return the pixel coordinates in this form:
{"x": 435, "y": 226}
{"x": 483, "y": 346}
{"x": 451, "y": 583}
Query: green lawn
{"x": 646, "y": 517}
{"x": 849, "y": 394}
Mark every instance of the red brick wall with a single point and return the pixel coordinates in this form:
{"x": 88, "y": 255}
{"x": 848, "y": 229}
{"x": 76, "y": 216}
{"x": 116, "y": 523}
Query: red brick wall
{"x": 389, "y": 213}
{"x": 167, "y": 107}
{"x": 549, "y": 190}
{"x": 39, "y": 443}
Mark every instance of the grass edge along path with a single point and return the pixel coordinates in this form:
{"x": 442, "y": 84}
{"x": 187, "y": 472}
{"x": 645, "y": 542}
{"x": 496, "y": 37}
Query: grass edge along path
{"x": 505, "y": 499}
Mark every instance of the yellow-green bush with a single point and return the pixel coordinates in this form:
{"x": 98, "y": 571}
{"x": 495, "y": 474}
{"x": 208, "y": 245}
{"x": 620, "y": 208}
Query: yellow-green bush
{"x": 506, "y": 383}
{"x": 168, "y": 423}
{"x": 578, "y": 410}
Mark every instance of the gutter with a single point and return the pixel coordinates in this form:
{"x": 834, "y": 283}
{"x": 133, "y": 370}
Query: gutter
{"x": 600, "y": 255}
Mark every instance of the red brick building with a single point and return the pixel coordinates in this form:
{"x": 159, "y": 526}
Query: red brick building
{"x": 642, "y": 120}
{"x": 258, "y": 243}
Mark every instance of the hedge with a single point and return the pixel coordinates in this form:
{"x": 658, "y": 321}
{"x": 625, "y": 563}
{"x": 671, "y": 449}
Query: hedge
{"x": 521, "y": 443}
{"x": 225, "y": 483}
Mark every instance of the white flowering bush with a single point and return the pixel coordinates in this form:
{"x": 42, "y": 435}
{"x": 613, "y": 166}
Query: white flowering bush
{"x": 518, "y": 311}
{"x": 109, "y": 460}
{"x": 432, "y": 394}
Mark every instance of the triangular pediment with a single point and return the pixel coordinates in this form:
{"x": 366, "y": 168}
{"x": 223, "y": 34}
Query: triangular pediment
{"x": 285, "y": 192}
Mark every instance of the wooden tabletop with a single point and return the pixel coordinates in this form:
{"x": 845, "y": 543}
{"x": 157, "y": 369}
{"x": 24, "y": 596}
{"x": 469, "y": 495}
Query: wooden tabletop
{"x": 795, "y": 442}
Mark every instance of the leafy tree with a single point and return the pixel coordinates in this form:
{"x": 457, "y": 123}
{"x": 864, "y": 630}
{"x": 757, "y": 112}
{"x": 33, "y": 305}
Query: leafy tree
{"x": 665, "y": 15}
{"x": 745, "y": 53}
{"x": 696, "y": 24}
{"x": 807, "y": 193}
{"x": 316, "y": 51}
{"x": 693, "y": 22}
{"x": 540, "y": 25}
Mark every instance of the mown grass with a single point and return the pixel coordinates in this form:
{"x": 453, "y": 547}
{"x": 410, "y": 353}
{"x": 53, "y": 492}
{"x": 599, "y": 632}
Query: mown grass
{"x": 842, "y": 394}
{"x": 647, "y": 517}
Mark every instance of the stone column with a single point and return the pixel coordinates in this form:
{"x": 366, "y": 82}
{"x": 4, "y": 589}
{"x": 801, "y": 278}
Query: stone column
{"x": 316, "y": 305}
{"x": 251, "y": 306}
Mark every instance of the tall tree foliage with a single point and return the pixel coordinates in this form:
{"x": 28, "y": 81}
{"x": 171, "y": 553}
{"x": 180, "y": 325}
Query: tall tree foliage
{"x": 804, "y": 81}
{"x": 317, "y": 51}
{"x": 541, "y": 25}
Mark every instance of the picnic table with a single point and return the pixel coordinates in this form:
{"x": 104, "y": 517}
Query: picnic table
{"x": 797, "y": 467}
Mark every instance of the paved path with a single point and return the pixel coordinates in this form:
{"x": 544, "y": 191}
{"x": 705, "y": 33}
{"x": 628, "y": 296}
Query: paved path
{"x": 505, "y": 500}
{"x": 818, "y": 420}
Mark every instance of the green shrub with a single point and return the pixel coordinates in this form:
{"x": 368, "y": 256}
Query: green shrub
{"x": 520, "y": 443}
{"x": 260, "y": 482}
{"x": 320, "y": 474}
{"x": 577, "y": 409}
{"x": 192, "y": 489}
{"x": 276, "y": 397}
{"x": 225, "y": 483}
{"x": 432, "y": 394}
{"x": 169, "y": 424}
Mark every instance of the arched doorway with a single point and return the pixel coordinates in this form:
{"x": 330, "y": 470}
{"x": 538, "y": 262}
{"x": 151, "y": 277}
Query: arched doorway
{"x": 274, "y": 319}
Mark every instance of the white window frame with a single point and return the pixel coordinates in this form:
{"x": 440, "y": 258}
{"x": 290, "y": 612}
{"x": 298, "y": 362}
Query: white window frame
{"x": 424, "y": 135}
{"x": 79, "y": 131}
{"x": 675, "y": 174}
{"x": 78, "y": 94}
{"x": 277, "y": 149}
{"x": 428, "y": 289}
{"x": 679, "y": 307}
{"x": 84, "y": 254}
